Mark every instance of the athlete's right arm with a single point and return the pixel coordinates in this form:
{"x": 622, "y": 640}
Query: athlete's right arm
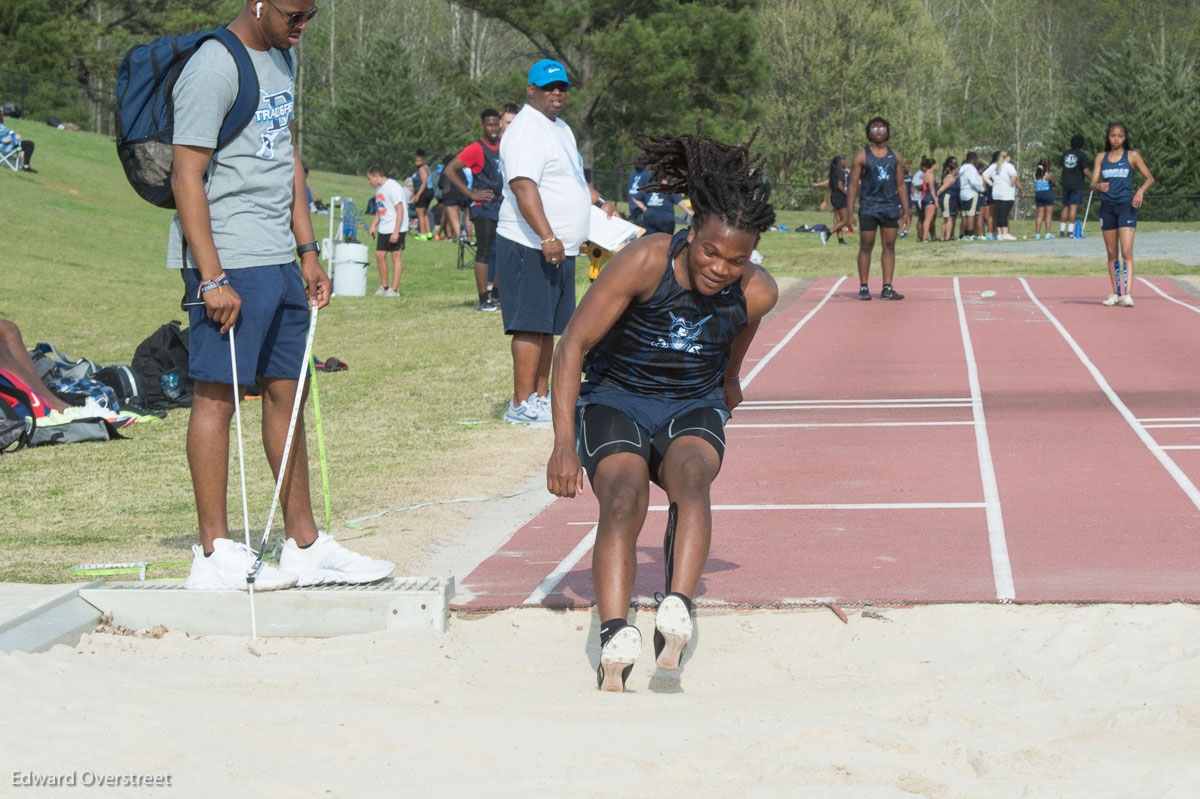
{"x": 189, "y": 163}
{"x": 631, "y": 275}
{"x": 856, "y": 168}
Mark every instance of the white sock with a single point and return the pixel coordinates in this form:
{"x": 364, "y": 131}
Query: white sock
{"x": 1062, "y": 227}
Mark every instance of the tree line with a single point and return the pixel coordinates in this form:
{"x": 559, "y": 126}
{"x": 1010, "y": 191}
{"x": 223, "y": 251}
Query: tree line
{"x": 379, "y": 79}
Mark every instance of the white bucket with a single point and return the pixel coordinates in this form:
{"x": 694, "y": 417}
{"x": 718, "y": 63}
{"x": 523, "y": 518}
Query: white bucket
{"x": 350, "y": 270}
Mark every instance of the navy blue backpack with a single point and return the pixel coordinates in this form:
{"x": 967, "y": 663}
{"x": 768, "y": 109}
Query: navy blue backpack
{"x": 145, "y": 109}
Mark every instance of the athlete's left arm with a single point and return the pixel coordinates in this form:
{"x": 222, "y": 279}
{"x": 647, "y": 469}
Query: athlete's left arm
{"x": 1135, "y": 159}
{"x": 316, "y": 282}
{"x": 761, "y": 295}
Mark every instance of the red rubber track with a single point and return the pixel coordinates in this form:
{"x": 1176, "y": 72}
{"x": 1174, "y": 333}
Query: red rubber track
{"x": 859, "y": 470}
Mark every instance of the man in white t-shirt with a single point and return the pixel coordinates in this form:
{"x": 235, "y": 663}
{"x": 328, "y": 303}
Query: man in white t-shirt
{"x": 391, "y": 222}
{"x": 543, "y": 221}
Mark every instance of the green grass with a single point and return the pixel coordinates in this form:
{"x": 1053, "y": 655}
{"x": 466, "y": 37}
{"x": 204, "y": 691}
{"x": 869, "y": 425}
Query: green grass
{"x": 84, "y": 269}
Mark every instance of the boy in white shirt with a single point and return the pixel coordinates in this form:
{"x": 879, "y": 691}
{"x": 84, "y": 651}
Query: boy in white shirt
{"x": 391, "y": 220}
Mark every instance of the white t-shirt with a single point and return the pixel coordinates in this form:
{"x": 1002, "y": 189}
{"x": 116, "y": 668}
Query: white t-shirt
{"x": 1003, "y": 187}
{"x": 989, "y": 173}
{"x": 969, "y": 182}
{"x": 545, "y": 152}
{"x": 387, "y": 196}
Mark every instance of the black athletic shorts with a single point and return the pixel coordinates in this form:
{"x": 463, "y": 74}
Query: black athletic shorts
{"x": 601, "y": 431}
{"x": 383, "y": 243}
{"x": 837, "y": 200}
{"x": 873, "y": 222}
{"x": 424, "y": 198}
{"x": 485, "y": 235}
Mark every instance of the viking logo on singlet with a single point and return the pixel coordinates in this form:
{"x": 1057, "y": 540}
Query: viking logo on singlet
{"x": 275, "y": 111}
{"x": 682, "y": 336}
{"x": 881, "y": 173}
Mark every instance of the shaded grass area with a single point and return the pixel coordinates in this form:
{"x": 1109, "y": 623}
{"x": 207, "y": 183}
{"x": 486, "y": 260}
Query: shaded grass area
{"x": 83, "y": 267}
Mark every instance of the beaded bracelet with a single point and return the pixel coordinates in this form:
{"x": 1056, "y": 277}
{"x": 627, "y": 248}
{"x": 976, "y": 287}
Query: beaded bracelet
{"x": 212, "y": 283}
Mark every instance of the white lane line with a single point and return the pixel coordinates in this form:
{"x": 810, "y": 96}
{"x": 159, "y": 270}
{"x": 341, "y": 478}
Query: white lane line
{"x": 1181, "y": 424}
{"x": 935, "y": 400}
{"x": 562, "y": 569}
{"x": 1170, "y": 419}
{"x": 775, "y": 350}
{"x": 1183, "y": 446}
{"x": 1166, "y": 296}
{"x": 833, "y": 407}
{"x": 1172, "y": 468}
{"x": 1001, "y": 566}
{"x": 849, "y": 424}
{"x": 847, "y": 506}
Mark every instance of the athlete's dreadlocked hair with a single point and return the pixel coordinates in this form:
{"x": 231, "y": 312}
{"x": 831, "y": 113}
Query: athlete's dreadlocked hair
{"x": 721, "y": 180}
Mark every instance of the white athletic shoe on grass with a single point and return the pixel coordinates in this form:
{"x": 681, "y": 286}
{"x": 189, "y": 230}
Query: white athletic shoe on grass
{"x": 529, "y": 413}
{"x": 1126, "y": 301}
{"x": 327, "y": 562}
{"x": 617, "y": 658}
{"x": 381, "y": 291}
{"x": 226, "y": 568}
{"x": 673, "y": 630}
{"x": 1111, "y": 300}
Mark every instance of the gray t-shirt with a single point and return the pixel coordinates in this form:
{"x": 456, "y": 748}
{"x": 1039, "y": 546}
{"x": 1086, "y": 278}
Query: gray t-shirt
{"x": 249, "y": 181}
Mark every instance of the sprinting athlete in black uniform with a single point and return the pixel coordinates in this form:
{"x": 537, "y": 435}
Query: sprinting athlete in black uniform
{"x": 661, "y": 335}
{"x": 883, "y": 204}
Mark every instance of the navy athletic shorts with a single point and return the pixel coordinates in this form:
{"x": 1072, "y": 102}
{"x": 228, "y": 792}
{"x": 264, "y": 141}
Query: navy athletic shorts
{"x": 539, "y": 297}
{"x": 608, "y": 421}
{"x": 1072, "y": 196}
{"x": 873, "y": 222}
{"x": 1116, "y": 216}
{"x": 270, "y": 331}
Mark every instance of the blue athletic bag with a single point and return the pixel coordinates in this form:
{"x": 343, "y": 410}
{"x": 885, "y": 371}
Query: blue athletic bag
{"x": 145, "y": 110}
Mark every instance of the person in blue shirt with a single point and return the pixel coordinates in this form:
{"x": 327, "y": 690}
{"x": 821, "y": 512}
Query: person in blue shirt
{"x": 662, "y": 335}
{"x": 658, "y": 210}
{"x": 1112, "y": 176}
{"x": 638, "y": 178}
{"x": 1043, "y": 198}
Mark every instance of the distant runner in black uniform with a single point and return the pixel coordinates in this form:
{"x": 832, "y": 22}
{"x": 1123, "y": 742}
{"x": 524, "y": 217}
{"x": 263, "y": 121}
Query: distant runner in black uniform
{"x": 664, "y": 330}
{"x": 835, "y": 195}
{"x": 884, "y": 204}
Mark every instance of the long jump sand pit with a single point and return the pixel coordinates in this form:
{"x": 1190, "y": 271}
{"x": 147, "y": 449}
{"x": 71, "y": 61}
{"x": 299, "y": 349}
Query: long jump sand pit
{"x": 930, "y": 701}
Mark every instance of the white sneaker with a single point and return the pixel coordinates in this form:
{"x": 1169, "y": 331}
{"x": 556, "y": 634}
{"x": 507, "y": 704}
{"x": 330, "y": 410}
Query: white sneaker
{"x": 226, "y": 569}
{"x": 1126, "y": 301}
{"x": 672, "y": 631}
{"x": 381, "y": 291}
{"x": 1111, "y": 300}
{"x": 544, "y": 410}
{"x": 1050, "y": 235}
{"x": 528, "y": 413}
{"x": 617, "y": 658}
{"x": 391, "y": 293}
{"x": 328, "y": 562}
{"x": 824, "y": 237}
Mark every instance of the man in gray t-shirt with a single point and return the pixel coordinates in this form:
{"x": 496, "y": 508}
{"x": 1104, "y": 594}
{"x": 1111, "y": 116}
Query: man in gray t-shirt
{"x": 242, "y": 213}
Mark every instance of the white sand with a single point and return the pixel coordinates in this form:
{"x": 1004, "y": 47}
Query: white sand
{"x": 939, "y": 701}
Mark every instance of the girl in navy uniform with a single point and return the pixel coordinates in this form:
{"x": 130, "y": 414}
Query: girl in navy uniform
{"x": 884, "y": 205}
{"x": 947, "y": 197}
{"x": 1112, "y": 176}
{"x": 661, "y": 336}
{"x": 835, "y": 195}
{"x": 1043, "y": 197}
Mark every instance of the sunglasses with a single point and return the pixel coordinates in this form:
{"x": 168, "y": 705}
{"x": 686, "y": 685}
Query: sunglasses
{"x": 296, "y": 19}
{"x": 557, "y": 86}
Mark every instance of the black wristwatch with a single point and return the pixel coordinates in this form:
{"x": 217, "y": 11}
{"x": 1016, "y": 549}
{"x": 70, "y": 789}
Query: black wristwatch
{"x": 312, "y": 246}
{"x": 599, "y": 202}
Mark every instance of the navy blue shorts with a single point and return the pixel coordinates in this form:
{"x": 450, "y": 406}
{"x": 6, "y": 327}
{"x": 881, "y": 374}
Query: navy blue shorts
{"x": 1072, "y": 196}
{"x": 658, "y": 224}
{"x": 948, "y": 202}
{"x": 870, "y": 222}
{"x": 270, "y": 331}
{"x": 1044, "y": 199}
{"x": 608, "y": 421}
{"x": 1115, "y": 216}
{"x": 539, "y": 297}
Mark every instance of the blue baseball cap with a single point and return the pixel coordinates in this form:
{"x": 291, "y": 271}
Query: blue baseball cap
{"x": 548, "y": 71}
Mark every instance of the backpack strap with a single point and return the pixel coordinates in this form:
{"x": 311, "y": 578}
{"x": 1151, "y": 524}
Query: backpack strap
{"x": 246, "y": 102}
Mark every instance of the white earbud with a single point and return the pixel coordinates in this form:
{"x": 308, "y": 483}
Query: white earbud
{"x": 258, "y": 10}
